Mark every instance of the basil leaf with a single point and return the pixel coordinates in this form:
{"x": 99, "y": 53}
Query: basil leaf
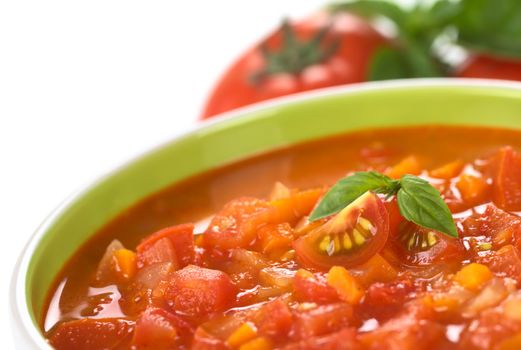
{"x": 492, "y": 26}
{"x": 422, "y": 204}
{"x": 350, "y": 188}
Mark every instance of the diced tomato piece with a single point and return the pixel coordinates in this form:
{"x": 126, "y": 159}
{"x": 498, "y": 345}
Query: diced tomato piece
{"x": 205, "y": 341}
{"x": 181, "y": 249}
{"x": 195, "y": 290}
{"x": 236, "y": 224}
{"x": 385, "y": 299}
{"x": 243, "y": 267}
{"x": 313, "y": 288}
{"x": 500, "y": 227}
{"x": 159, "y": 329}
{"x": 160, "y": 251}
{"x": 488, "y": 330}
{"x": 341, "y": 340}
{"x": 506, "y": 185}
{"x": 91, "y": 333}
{"x": 274, "y": 319}
{"x": 504, "y": 262}
{"x": 411, "y": 330}
{"x": 322, "y": 319}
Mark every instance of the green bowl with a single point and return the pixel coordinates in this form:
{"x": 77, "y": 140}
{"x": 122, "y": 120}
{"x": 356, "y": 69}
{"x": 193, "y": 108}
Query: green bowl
{"x": 254, "y": 130}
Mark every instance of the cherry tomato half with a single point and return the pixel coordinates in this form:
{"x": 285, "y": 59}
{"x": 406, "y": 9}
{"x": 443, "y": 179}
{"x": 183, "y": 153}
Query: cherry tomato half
{"x": 419, "y": 246}
{"x": 351, "y": 237}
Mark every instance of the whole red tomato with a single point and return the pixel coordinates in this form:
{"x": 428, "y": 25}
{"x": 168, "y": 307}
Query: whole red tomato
{"x": 481, "y": 66}
{"x": 322, "y": 50}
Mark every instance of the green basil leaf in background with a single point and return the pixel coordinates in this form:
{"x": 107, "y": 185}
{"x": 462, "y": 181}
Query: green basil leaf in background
{"x": 350, "y": 188}
{"x": 388, "y": 63}
{"x": 490, "y": 26}
{"x": 422, "y": 204}
{"x": 400, "y": 63}
{"x": 421, "y": 61}
{"x": 372, "y": 8}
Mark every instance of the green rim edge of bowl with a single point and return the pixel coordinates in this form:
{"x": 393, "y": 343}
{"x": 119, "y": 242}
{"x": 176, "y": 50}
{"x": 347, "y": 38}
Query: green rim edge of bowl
{"x": 258, "y": 131}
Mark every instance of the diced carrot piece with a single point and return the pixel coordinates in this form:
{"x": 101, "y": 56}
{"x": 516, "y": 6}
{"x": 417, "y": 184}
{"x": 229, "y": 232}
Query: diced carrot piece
{"x": 473, "y": 189}
{"x": 448, "y": 171}
{"x": 291, "y": 209}
{"x": 473, "y": 276}
{"x": 260, "y": 343}
{"x": 376, "y": 269}
{"x": 409, "y": 165}
{"x": 125, "y": 263}
{"x": 241, "y": 335}
{"x": 345, "y": 285}
{"x": 512, "y": 343}
{"x": 303, "y": 273}
{"x": 442, "y": 301}
{"x": 512, "y": 309}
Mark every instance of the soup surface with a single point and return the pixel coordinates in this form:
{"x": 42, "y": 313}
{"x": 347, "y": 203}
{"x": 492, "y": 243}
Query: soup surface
{"x": 230, "y": 260}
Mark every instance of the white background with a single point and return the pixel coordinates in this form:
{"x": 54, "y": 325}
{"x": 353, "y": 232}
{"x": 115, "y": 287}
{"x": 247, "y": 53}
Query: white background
{"x": 84, "y": 85}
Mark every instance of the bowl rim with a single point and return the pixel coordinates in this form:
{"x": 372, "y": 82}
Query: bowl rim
{"x": 20, "y": 314}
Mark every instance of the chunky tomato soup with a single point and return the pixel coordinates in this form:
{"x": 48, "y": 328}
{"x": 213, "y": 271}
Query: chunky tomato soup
{"x": 231, "y": 259}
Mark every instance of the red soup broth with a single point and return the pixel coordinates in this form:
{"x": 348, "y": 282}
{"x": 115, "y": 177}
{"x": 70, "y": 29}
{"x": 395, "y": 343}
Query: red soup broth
{"x": 223, "y": 260}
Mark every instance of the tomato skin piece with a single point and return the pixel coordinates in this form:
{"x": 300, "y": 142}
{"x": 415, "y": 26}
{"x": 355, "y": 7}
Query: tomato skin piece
{"x": 181, "y": 238}
{"x": 198, "y": 291}
{"x": 369, "y": 208}
{"x": 483, "y": 66}
{"x": 88, "y": 333}
{"x": 358, "y": 42}
{"x": 506, "y": 185}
